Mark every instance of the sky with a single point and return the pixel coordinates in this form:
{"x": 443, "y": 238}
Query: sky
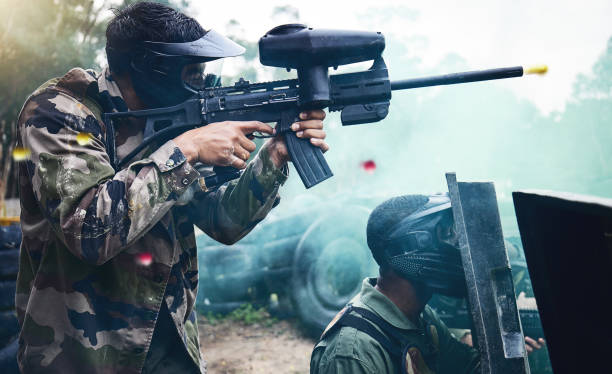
{"x": 568, "y": 36}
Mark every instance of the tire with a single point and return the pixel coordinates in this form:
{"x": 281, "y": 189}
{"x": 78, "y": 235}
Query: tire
{"x": 10, "y": 239}
{"x": 8, "y": 358}
{"x": 9, "y": 327}
{"x": 7, "y": 295}
{"x": 9, "y": 263}
{"x": 226, "y": 275}
{"x": 10, "y": 236}
{"x": 330, "y": 262}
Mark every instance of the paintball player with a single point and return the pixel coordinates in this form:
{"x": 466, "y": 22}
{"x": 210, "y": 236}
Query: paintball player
{"x": 388, "y": 327}
{"x": 108, "y": 271}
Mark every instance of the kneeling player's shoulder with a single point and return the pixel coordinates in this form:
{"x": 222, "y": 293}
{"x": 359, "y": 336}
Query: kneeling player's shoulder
{"x": 350, "y": 349}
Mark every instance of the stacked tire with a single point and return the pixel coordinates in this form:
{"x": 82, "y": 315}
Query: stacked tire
{"x": 330, "y": 262}
{"x": 10, "y": 239}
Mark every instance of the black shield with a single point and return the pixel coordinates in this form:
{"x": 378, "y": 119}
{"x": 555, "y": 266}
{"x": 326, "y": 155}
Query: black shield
{"x": 491, "y": 298}
{"x": 568, "y": 246}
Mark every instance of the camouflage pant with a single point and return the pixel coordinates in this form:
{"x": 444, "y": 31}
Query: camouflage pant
{"x": 167, "y": 353}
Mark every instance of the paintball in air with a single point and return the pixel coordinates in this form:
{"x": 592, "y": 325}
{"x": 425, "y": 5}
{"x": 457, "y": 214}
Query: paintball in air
{"x": 183, "y": 190}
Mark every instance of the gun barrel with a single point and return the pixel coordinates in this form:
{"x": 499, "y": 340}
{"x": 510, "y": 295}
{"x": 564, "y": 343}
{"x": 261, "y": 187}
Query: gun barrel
{"x": 457, "y": 78}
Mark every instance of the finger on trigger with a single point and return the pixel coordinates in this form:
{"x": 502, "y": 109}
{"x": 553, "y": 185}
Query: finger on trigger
{"x": 251, "y": 126}
{"x": 247, "y": 144}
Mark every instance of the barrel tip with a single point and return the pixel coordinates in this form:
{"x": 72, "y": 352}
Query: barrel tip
{"x": 537, "y": 69}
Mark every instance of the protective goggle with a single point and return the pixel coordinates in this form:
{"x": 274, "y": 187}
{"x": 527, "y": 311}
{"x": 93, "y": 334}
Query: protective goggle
{"x": 202, "y": 75}
{"x": 404, "y": 238}
{"x": 201, "y": 61}
{"x": 166, "y": 74}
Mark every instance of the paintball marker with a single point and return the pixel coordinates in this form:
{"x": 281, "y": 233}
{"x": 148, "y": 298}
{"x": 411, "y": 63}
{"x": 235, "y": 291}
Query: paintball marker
{"x": 361, "y": 97}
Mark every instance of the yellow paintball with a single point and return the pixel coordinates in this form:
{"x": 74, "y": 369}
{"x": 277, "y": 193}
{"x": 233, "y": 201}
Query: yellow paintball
{"x": 21, "y": 154}
{"x": 84, "y": 138}
{"x": 537, "y": 69}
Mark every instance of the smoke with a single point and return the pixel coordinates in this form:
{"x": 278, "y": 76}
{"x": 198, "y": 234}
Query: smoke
{"x": 482, "y": 131}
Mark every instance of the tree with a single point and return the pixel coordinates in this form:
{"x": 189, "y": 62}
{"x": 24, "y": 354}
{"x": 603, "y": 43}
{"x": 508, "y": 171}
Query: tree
{"x": 40, "y": 40}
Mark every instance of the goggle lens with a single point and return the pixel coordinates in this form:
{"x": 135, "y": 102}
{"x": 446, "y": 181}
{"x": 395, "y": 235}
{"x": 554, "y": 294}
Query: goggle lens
{"x": 202, "y": 75}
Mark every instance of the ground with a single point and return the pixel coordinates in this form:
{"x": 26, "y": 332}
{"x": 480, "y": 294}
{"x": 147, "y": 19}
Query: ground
{"x": 232, "y": 347}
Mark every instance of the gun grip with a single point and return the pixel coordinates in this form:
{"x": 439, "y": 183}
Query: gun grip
{"x": 308, "y": 160}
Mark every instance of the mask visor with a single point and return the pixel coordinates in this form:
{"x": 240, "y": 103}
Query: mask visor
{"x": 202, "y": 75}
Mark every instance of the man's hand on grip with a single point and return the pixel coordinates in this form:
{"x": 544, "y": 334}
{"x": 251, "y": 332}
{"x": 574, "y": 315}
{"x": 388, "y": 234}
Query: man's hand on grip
{"x": 310, "y": 127}
{"x": 221, "y": 143}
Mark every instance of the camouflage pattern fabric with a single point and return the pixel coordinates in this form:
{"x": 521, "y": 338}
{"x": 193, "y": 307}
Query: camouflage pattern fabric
{"x": 166, "y": 353}
{"x": 102, "y": 250}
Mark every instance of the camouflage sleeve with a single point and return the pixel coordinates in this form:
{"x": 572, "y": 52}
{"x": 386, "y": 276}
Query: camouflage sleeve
{"x": 94, "y": 211}
{"x": 229, "y": 213}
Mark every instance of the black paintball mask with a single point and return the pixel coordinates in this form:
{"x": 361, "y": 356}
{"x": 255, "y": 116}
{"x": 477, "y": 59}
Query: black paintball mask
{"x": 166, "y": 74}
{"x": 424, "y": 247}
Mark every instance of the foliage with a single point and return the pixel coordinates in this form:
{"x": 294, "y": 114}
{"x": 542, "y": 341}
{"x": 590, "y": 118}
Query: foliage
{"x": 40, "y": 40}
{"x": 288, "y": 13}
{"x": 246, "y": 314}
{"x": 43, "y": 39}
{"x": 599, "y": 83}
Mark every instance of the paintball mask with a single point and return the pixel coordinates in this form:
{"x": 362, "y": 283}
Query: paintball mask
{"x": 424, "y": 247}
{"x": 166, "y": 74}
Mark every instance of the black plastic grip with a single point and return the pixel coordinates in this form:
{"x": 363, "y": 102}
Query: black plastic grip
{"x": 308, "y": 160}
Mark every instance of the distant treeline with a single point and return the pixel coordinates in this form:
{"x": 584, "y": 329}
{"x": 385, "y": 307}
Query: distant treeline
{"x": 40, "y": 40}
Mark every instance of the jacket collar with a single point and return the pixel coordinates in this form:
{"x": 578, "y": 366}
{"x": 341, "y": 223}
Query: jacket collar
{"x": 381, "y": 305}
{"x": 110, "y": 95}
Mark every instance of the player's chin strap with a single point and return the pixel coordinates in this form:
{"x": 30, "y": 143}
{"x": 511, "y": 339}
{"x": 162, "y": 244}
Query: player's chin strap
{"x": 391, "y": 338}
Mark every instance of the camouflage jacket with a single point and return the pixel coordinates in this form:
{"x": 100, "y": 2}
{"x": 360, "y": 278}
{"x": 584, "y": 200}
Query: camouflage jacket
{"x": 102, "y": 249}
